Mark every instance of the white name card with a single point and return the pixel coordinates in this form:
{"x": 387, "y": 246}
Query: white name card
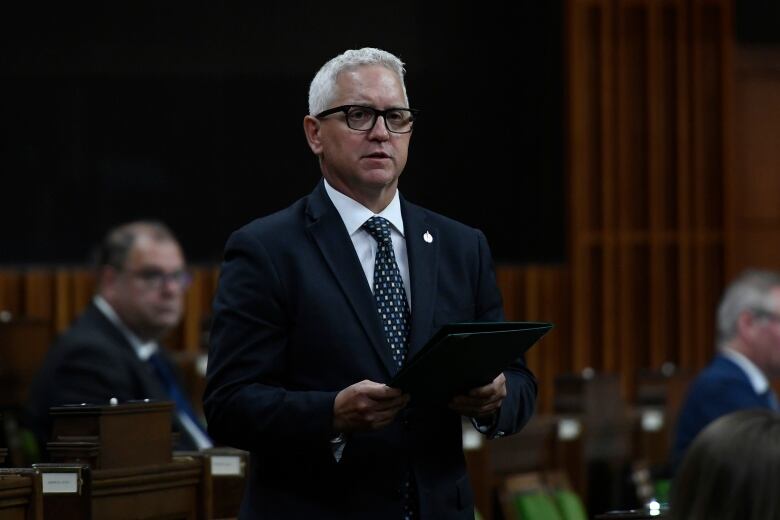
{"x": 60, "y": 482}
{"x": 226, "y": 465}
{"x": 652, "y": 420}
{"x": 472, "y": 440}
{"x": 569, "y": 429}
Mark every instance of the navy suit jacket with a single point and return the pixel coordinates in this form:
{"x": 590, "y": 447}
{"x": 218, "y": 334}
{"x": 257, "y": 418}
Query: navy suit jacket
{"x": 295, "y": 322}
{"x": 91, "y": 363}
{"x": 721, "y": 388}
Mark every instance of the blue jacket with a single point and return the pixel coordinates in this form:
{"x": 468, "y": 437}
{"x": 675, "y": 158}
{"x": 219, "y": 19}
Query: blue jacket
{"x": 721, "y": 388}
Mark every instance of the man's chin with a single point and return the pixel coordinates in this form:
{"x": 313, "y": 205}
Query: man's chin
{"x": 161, "y": 328}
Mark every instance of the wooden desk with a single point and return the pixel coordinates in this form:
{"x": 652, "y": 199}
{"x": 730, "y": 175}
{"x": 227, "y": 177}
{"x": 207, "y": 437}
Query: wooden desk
{"x": 164, "y": 491}
{"x": 20, "y": 495}
{"x": 222, "y": 481}
{"x": 134, "y": 434}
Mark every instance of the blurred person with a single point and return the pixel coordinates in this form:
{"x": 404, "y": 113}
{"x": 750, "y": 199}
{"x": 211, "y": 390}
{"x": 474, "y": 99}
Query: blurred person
{"x": 748, "y": 336}
{"x": 112, "y": 349}
{"x": 320, "y": 304}
{"x": 731, "y": 470}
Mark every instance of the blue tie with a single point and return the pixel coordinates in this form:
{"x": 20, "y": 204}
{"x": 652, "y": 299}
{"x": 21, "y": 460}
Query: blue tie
{"x": 168, "y": 379}
{"x": 393, "y": 309}
{"x": 389, "y": 290}
{"x": 771, "y": 399}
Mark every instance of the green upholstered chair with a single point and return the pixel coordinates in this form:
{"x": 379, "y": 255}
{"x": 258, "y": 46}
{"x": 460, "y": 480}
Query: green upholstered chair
{"x": 570, "y": 505}
{"x": 536, "y": 505}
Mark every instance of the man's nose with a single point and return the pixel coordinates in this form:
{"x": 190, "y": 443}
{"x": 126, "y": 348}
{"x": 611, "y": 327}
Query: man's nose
{"x": 379, "y": 130}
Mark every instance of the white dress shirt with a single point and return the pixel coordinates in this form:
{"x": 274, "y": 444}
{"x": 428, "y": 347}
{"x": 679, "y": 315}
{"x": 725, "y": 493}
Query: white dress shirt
{"x": 144, "y": 351}
{"x": 354, "y": 215}
{"x": 758, "y": 380}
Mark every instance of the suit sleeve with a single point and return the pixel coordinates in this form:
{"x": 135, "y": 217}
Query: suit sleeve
{"x": 520, "y": 402}
{"x": 85, "y": 375}
{"x": 245, "y": 400}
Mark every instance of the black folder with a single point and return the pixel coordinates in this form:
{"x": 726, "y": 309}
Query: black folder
{"x": 462, "y": 356}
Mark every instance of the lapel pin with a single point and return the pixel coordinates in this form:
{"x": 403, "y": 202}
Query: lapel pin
{"x": 428, "y": 237}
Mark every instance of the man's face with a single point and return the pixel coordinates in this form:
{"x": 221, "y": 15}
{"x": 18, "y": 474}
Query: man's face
{"x": 362, "y": 163}
{"x": 148, "y": 293}
{"x": 765, "y": 336}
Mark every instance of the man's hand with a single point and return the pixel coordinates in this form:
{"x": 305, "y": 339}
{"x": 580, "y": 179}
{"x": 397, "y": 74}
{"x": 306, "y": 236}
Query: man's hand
{"x": 481, "y": 401}
{"x": 366, "y": 406}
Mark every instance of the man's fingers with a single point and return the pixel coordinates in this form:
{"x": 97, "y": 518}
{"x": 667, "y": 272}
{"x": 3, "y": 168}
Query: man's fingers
{"x": 378, "y": 391}
{"x": 391, "y": 404}
{"x": 497, "y": 386}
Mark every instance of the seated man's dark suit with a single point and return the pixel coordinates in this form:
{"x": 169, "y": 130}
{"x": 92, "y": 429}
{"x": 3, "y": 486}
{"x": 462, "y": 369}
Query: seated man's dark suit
{"x": 721, "y": 388}
{"x": 91, "y": 363}
{"x": 296, "y": 322}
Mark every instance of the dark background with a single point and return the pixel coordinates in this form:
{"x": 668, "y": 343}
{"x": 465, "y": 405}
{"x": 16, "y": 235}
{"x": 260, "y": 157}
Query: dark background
{"x": 194, "y": 115}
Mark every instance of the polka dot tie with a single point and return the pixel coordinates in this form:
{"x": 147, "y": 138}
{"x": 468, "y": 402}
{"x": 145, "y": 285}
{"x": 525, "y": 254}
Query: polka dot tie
{"x": 389, "y": 290}
{"x": 393, "y": 308}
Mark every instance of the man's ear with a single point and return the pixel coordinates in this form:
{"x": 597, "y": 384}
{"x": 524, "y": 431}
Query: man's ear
{"x": 107, "y": 279}
{"x": 745, "y": 322}
{"x": 311, "y": 127}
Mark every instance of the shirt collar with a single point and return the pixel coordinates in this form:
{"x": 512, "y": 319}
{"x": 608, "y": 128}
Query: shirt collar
{"x": 757, "y": 378}
{"x": 354, "y": 214}
{"x": 143, "y": 350}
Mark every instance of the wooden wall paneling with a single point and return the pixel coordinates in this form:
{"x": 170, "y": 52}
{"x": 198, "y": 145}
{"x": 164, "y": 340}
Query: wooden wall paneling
{"x": 556, "y": 348}
{"x": 730, "y": 132}
{"x": 579, "y": 50}
{"x": 38, "y": 294}
{"x": 507, "y": 279}
{"x": 665, "y": 170}
{"x": 661, "y": 177}
{"x": 540, "y": 293}
{"x": 710, "y": 34}
{"x": 74, "y": 289}
{"x": 10, "y": 293}
{"x": 633, "y": 194}
{"x": 754, "y": 218}
{"x": 594, "y": 308}
{"x": 657, "y": 179}
{"x": 685, "y": 337}
{"x": 63, "y": 291}
{"x": 84, "y": 286}
{"x": 608, "y": 178}
{"x": 532, "y": 288}
{"x": 192, "y": 320}
{"x": 586, "y": 51}
{"x": 699, "y": 177}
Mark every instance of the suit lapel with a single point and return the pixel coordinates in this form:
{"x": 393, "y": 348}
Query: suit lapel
{"x": 151, "y": 387}
{"x": 328, "y": 231}
{"x": 423, "y": 263}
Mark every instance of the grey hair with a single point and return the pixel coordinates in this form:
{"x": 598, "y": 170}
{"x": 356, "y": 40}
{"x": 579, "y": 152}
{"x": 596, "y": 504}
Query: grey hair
{"x": 118, "y": 242}
{"x": 323, "y": 88}
{"x": 749, "y": 292}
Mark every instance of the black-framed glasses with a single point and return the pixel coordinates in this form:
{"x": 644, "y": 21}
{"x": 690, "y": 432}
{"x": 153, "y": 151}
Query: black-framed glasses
{"x": 363, "y": 119}
{"x": 766, "y": 314}
{"x": 155, "y": 279}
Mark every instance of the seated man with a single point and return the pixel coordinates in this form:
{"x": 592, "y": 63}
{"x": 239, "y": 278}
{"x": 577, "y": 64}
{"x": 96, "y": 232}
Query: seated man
{"x": 112, "y": 350}
{"x": 748, "y": 327}
{"x": 731, "y": 469}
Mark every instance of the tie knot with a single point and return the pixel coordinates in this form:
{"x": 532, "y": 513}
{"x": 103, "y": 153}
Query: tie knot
{"x": 379, "y": 228}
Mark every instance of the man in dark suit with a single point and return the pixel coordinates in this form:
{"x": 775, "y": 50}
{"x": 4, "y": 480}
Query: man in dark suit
{"x": 111, "y": 350}
{"x": 320, "y": 304}
{"x": 749, "y": 354}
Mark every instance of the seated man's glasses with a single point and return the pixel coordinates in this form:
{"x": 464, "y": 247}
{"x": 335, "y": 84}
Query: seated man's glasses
{"x": 154, "y": 279}
{"x": 766, "y": 314}
{"x": 397, "y": 120}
